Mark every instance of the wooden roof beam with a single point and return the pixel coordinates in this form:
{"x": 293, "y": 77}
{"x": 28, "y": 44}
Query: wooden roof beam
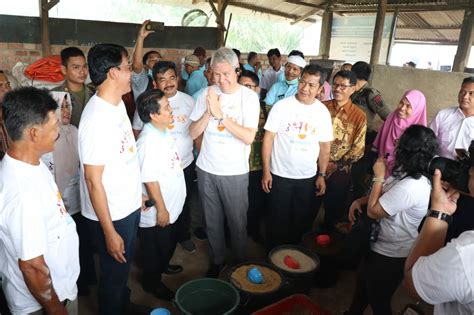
{"x": 268, "y": 11}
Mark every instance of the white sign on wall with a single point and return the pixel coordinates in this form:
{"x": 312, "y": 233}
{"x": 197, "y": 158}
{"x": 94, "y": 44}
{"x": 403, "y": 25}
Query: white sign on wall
{"x": 351, "y": 38}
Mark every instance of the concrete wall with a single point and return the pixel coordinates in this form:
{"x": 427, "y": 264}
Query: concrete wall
{"x": 440, "y": 88}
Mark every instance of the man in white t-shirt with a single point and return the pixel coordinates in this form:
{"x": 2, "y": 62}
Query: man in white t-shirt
{"x": 163, "y": 181}
{"x": 442, "y": 276}
{"x": 454, "y": 128}
{"x": 39, "y": 245}
{"x": 110, "y": 185}
{"x": 227, "y": 115}
{"x": 165, "y": 79}
{"x": 295, "y": 155}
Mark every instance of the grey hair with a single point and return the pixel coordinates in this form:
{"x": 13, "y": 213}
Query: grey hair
{"x": 225, "y": 54}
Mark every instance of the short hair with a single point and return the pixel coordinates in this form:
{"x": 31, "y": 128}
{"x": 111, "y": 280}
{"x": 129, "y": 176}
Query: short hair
{"x": 163, "y": 66}
{"x": 347, "y": 75}
{"x": 199, "y": 51}
{"x": 237, "y": 52}
{"x": 149, "y": 103}
{"x": 25, "y": 107}
{"x": 70, "y": 52}
{"x": 468, "y": 80}
{"x": 251, "y": 55}
{"x": 362, "y": 70}
{"x": 225, "y": 54}
{"x": 296, "y": 53}
{"x": 414, "y": 151}
{"x": 101, "y": 58}
{"x": 251, "y": 75}
{"x": 317, "y": 71}
{"x": 147, "y": 54}
{"x": 273, "y": 52}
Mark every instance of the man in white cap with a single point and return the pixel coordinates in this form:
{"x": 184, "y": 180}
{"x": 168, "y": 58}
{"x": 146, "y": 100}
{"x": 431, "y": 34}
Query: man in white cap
{"x": 196, "y": 80}
{"x": 288, "y": 87}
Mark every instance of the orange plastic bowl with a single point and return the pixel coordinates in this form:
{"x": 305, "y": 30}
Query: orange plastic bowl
{"x": 323, "y": 239}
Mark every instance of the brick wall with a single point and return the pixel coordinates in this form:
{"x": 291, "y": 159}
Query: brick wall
{"x": 11, "y": 53}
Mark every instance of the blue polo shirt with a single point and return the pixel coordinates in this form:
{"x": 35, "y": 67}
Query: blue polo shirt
{"x": 279, "y": 91}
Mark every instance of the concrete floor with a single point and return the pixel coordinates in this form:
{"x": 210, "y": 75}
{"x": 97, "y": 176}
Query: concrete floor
{"x": 335, "y": 299}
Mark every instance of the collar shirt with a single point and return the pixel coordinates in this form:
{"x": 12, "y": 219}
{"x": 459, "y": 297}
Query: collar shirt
{"x": 349, "y": 125}
{"x": 454, "y": 131}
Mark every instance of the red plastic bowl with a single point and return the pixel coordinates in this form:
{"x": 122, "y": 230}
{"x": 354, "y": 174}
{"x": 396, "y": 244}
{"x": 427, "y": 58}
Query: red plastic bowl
{"x": 323, "y": 239}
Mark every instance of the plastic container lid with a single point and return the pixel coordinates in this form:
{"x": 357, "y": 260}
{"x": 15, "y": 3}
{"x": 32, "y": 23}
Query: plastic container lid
{"x": 160, "y": 311}
{"x": 323, "y": 240}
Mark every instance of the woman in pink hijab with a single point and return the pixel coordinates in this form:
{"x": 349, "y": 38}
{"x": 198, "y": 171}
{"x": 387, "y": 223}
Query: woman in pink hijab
{"x": 410, "y": 111}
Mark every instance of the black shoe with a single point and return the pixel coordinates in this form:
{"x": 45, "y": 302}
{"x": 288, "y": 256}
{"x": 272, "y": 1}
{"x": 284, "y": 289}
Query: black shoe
{"x": 214, "y": 271}
{"x": 173, "y": 269}
{"x": 200, "y": 234}
{"x": 188, "y": 246}
{"x": 136, "y": 309}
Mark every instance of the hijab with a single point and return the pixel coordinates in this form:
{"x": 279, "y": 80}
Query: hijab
{"x": 394, "y": 126}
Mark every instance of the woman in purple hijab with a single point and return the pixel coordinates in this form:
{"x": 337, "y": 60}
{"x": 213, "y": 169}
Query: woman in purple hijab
{"x": 410, "y": 111}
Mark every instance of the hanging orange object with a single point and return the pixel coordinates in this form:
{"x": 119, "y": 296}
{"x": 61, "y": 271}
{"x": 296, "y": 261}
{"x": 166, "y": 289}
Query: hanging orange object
{"x": 46, "y": 69}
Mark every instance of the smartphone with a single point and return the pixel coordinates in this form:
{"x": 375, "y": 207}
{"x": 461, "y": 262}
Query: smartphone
{"x": 149, "y": 203}
{"x": 155, "y": 26}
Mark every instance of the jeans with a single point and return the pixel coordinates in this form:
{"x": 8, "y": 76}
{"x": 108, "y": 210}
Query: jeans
{"x": 114, "y": 295}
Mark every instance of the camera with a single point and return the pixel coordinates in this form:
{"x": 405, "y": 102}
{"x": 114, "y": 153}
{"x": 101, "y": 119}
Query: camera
{"x": 455, "y": 172}
{"x": 155, "y": 26}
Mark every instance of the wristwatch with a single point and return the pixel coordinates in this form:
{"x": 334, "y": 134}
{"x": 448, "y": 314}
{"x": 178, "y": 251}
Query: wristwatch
{"x": 323, "y": 175}
{"x": 440, "y": 216}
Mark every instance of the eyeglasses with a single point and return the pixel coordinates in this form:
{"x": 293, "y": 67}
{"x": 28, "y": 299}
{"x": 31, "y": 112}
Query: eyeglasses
{"x": 250, "y": 86}
{"x": 343, "y": 87}
{"x": 311, "y": 85}
{"x": 128, "y": 66}
{"x": 464, "y": 92}
{"x": 5, "y": 84}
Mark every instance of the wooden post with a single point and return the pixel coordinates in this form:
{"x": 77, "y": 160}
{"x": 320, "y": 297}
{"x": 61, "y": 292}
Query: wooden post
{"x": 219, "y": 12}
{"x": 45, "y": 6}
{"x": 325, "y": 40}
{"x": 378, "y": 32}
{"x": 466, "y": 39}
{"x": 392, "y": 36}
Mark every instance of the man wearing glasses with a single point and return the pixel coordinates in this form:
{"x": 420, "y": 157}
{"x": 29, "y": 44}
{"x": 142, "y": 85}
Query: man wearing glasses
{"x": 165, "y": 79}
{"x": 295, "y": 155}
{"x": 75, "y": 70}
{"x": 289, "y": 86}
{"x": 111, "y": 192}
{"x": 349, "y": 125}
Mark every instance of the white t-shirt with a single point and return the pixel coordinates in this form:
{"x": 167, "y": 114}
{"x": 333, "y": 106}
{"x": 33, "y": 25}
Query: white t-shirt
{"x": 299, "y": 128}
{"x": 160, "y": 162}
{"x": 270, "y": 76}
{"x": 221, "y": 152}
{"x": 406, "y": 202}
{"x": 33, "y": 223}
{"x": 446, "y": 278}
{"x": 453, "y": 130}
{"x": 106, "y": 138}
{"x": 182, "y": 105}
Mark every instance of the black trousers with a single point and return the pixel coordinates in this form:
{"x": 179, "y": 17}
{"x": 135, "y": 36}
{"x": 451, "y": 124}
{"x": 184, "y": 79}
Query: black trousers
{"x": 157, "y": 246}
{"x": 377, "y": 279}
{"x": 257, "y": 196}
{"x": 335, "y": 199}
{"x": 184, "y": 221}
{"x": 290, "y": 211}
{"x": 87, "y": 274}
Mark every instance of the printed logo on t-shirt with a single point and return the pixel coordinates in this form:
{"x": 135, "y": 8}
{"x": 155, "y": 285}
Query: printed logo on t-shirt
{"x": 60, "y": 204}
{"x": 300, "y": 129}
{"x": 175, "y": 161}
{"x": 127, "y": 144}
